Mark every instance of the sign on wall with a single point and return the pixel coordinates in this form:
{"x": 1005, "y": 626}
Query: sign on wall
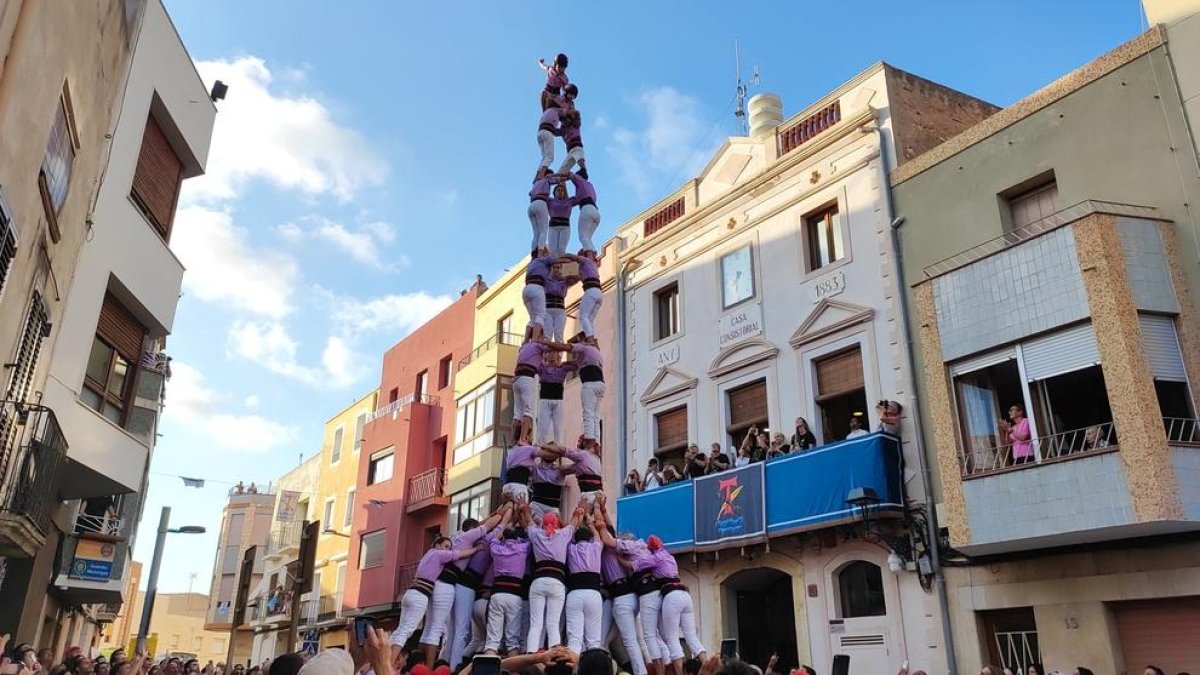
{"x": 829, "y": 286}
{"x": 288, "y": 501}
{"x": 736, "y": 326}
{"x": 730, "y": 507}
{"x": 93, "y": 560}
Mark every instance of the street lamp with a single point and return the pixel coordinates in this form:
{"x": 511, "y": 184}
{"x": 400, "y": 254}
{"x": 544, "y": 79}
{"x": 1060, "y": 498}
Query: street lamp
{"x": 152, "y": 583}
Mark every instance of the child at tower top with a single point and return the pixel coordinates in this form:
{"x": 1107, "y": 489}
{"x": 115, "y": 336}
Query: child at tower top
{"x": 556, "y": 78}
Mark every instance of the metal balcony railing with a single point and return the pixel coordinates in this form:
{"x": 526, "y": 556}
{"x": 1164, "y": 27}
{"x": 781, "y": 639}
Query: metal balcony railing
{"x": 1074, "y": 443}
{"x": 427, "y": 485}
{"x": 284, "y": 536}
{"x": 32, "y": 450}
{"x": 404, "y": 576}
{"x": 1182, "y": 431}
{"x": 514, "y": 339}
{"x": 401, "y": 403}
{"x": 328, "y": 607}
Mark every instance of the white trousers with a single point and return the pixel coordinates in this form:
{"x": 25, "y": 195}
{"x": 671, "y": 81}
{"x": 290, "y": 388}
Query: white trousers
{"x": 624, "y": 614}
{"x": 574, "y": 156}
{"x": 504, "y": 622}
{"x": 478, "y": 627}
{"x": 589, "y": 220}
{"x": 678, "y": 615}
{"x": 534, "y": 297}
{"x": 412, "y": 610}
{"x": 550, "y": 420}
{"x": 460, "y": 622}
{"x": 606, "y": 622}
{"x": 584, "y": 609}
{"x": 556, "y": 322}
{"x": 545, "y": 141}
{"x": 650, "y": 605}
{"x": 539, "y": 221}
{"x": 439, "y": 613}
{"x": 524, "y": 394}
{"x": 546, "y": 597}
{"x": 589, "y": 307}
{"x": 559, "y": 239}
{"x": 591, "y": 393}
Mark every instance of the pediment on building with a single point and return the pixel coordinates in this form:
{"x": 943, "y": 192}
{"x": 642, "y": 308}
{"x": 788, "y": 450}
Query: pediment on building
{"x": 667, "y": 382}
{"x": 740, "y": 355}
{"x": 827, "y": 318}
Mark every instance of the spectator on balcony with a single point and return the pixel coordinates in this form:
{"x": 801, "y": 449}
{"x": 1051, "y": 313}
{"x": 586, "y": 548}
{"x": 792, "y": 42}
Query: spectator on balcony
{"x": 467, "y": 575}
{"x": 1016, "y": 432}
{"x": 856, "y": 428}
{"x": 45, "y": 657}
{"x": 743, "y": 457}
{"x": 755, "y": 445}
{"x": 653, "y": 478}
{"x": 889, "y": 416}
{"x": 633, "y": 482}
{"x": 778, "y": 446}
{"x": 1035, "y": 669}
{"x": 802, "y": 439}
{"x": 695, "y": 464}
{"x": 1153, "y": 670}
{"x": 718, "y": 461}
{"x": 1080, "y": 670}
{"x": 671, "y": 475}
{"x": 416, "y": 599}
{"x": 1094, "y": 439}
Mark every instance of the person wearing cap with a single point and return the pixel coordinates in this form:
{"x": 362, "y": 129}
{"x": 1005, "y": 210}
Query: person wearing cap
{"x": 416, "y": 599}
{"x": 547, "y": 593}
{"x": 676, "y": 613}
{"x": 510, "y": 561}
{"x": 464, "y": 577}
{"x": 556, "y": 78}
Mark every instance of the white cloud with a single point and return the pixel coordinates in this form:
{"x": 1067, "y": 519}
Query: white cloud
{"x": 270, "y": 345}
{"x": 363, "y": 244}
{"x": 401, "y": 312}
{"x": 193, "y": 405}
{"x": 674, "y": 145}
{"x": 252, "y": 401}
{"x": 223, "y": 267}
{"x": 291, "y": 141}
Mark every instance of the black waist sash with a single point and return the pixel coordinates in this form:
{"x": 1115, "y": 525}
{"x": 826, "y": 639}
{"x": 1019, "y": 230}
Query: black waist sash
{"x": 591, "y": 282}
{"x": 560, "y": 222}
{"x": 644, "y": 582}
{"x": 422, "y": 586}
{"x": 591, "y": 374}
{"x": 511, "y": 585}
{"x": 574, "y": 143}
{"x": 619, "y": 587}
{"x": 551, "y": 391}
{"x": 548, "y": 494}
{"x": 470, "y": 578}
{"x": 587, "y": 200}
{"x": 590, "y": 483}
{"x": 535, "y": 279}
{"x": 578, "y": 581}
{"x": 518, "y": 474}
{"x": 549, "y": 568}
{"x": 525, "y": 371}
{"x": 672, "y": 584}
{"x": 555, "y": 302}
{"x": 449, "y": 575}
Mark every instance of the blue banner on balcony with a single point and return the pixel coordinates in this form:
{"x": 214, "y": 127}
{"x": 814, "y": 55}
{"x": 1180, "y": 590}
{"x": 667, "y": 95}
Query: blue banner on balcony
{"x": 666, "y": 511}
{"x": 731, "y": 508}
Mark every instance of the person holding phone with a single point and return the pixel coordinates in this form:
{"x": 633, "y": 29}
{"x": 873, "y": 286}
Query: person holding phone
{"x": 416, "y": 600}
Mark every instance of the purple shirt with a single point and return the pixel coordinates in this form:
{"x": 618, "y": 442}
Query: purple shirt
{"x": 584, "y": 556}
{"x": 611, "y": 568}
{"x": 466, "y": 539}
{"x": 481, "y": 561}
{"x": 588, "y": 269}
{"x": 432, "y": 562}
{"x": 583, "y": 188}
{"x": 545, "y": 472}
{"x": 550, "y": 117}
{"x": 556, "y": 78}
{"x": 555, "y": 374}
{"x": 540, "y": 267}
{"x": 665, "y": 566}
{"x": 587, "y": 355}
{"x": 587, "y": 463}
{"x": 560, "y": 208}
{"x": 640, "y": 557}
{"x": 558, "y": 285}
{"x": 522, "y": 455}
{"x": 541, "y": 188}
{"x": 530, "y": 354}
{"x": 509, "y": 558}
{"x": 490, "y": 575}
{"x": 546, "y": 547}
{"x": 572, "y": 134}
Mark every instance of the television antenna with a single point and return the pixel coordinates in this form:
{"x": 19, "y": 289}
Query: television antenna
{"x": 742, "y": 88}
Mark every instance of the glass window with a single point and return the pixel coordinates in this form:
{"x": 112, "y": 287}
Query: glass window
{"x": 349, "y": 509}
{"x": 327, "y": 519}
{"x": 1012, "y": 638}
{"x": 1034, "y": 205}
{"x": 504, "y": 325}
{"x": 60, "y": 159}
{"x": 107, "y": 382}
{"x": 860, "y": 588}
{"x": 337, "y": 446}
{"x": 472, "y": 503}
{"x": 747, "y": 408}
{"x": 666, "y": 312}
{"x": 419, "y": 391}
{"x": 444, "y": 372}
{"x": 823, "y": 232}
{"x": 371, "y": 549}
{"x": 737, "y": 277}
{"x": 359, "y": 423}
{"x": 476, "y": 416}
{"x": 671, "y": 432}
{"x": 380, "y": 468}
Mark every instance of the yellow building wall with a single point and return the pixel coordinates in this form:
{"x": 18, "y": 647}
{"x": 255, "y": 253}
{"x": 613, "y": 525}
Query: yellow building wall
{"x": 178, "y": 621}
{"x": 335, "y": 481}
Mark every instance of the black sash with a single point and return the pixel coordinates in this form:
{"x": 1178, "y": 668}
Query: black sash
{"x": 525, "y": 371}
{"x": 590, "y": 483}
{"x": 546, "y": 127}
{"x": 511, "y": 585}
{"x": 549, "y": 568}
{"x": 518, "y": 474}
{"x": 644, "y": 582}
{"x": 422, "y": 586}
{"x": 555, "y": 302}
{"x": 470, "y": 579}
{"x": 619, "y": 587}
{"x": 573, "y": 143}
{"x": 548, "y": 494}
{"x": 591, "y": 374}
{"x": 552, "y": 391}
{"x": 449, "y": 574}
{"x": 591, "y": 282}
{"x": 560, "y": 222}
{"x": 584, "y": 581}
{"x": 535, "y": 279}
{"x": 672, "y": 584}
{"x": 587, "y": 200}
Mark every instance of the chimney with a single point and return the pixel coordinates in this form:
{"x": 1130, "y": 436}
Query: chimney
{"x": 766, "y": 114}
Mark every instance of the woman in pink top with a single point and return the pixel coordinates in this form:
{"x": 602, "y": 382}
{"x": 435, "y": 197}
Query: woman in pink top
{"x": 1018, "y": 435}
{"x": 556, "y": 79}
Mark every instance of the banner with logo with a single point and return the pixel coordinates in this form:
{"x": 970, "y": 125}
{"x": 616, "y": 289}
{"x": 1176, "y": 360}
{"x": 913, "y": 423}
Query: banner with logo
{"x": 288, "y": 501}
{"x": 93, "y": 560}
{"x": 731, "y": 508}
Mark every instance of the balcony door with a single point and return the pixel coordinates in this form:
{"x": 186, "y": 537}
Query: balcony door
{"x": 841, "y": 393}
{"x": 763, "y": 615}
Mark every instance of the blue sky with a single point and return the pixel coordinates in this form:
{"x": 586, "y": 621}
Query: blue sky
{"x": 373, "y": 156}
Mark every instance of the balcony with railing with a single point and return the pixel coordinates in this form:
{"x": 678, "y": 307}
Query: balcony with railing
{"x": 786, "y": 495}
{"x": 405, "y": 574}
{"x": 804, "y": 130}
{"x": 427, "y": 490}
{"x": 274, "y": 607}
{"x": 394, "y": 408}
{"x": 496, "y": 355}
{"x": 32, "y": 452}
{"x": 284, "y": 540}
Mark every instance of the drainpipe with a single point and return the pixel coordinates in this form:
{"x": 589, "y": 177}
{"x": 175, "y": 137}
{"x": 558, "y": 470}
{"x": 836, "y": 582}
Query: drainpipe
{"x": 926, "y": 478}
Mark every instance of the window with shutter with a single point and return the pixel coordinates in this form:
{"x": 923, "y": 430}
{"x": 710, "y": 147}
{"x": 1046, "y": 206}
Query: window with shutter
{"x": 841, "y": 394}
{"x": 37, "y": 326}
{"x": 747, "y": 408}
{"x": 8, "y": 239}
{"x": 839, "y": 373}
{"x": 54, "y": 178}
{"x": 108, "y": 382}
{"x": 371, "y": 549}
{"x": 157, "y": 178}
{"x": 671, "y": 430}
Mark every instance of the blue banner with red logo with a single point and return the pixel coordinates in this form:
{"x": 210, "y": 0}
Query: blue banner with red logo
{"x": 731, "y": 508}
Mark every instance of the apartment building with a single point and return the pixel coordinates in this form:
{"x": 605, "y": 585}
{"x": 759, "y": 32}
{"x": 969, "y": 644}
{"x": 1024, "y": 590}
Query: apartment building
{"x": 103, "y": 117}
{"x": 400, "y": 489}
{"x": 1051, "y": 256}
{"x": 177, "y": 628}
{"x": 763, "y": 291}
{"x": 269, "y": 608}
{"x": 238, "y": 567}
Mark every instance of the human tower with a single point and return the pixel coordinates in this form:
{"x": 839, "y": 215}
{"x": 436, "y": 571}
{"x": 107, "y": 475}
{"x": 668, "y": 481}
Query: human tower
{"x": 509, "y": 584}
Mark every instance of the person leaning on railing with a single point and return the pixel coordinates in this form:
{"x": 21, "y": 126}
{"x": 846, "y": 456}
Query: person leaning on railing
{"x": 1018, "y": 435}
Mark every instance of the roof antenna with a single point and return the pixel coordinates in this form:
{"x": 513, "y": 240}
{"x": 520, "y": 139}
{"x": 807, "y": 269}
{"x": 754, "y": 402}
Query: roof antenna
{"x": 742, "y": 88}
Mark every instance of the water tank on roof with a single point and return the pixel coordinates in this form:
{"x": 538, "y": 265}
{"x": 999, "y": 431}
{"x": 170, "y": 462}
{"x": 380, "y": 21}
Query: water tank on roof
{"x": 766, "y": 113}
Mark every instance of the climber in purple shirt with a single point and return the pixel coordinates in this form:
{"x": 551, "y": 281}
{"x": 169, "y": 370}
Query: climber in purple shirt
{"x": 572, "y": 136}
{"x": 559, "y": 207}
{"x": 589, "y": 214}
{"x": 548, "y": 128}
{"x": 556, "y": 289}
{"x": 551, "y": 377}
{"x": 539, "y": 213}
{"x": 466, "y": 580}
{"x": 556, "y": 78}
{"x": 417, "y": 598}
{"x": 510, "y": 563}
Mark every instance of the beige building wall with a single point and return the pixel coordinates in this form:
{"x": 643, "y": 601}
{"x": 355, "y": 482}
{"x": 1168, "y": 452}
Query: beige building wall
{"x": 178, "y": 621}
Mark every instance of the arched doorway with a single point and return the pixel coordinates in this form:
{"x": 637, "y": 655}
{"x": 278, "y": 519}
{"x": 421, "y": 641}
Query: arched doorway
{"x": 762, "y": 616}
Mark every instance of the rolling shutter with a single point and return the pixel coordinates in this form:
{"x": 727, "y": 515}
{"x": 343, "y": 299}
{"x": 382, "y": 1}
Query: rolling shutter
{"x": 671, "y": 428}
{"x": 982, "y": 361}
{"x": 1162, "y": 347}
{"x": 1061, "y": 352}
{"x": 121, "y": 329}
{"x": 1164, "y": 632}
{"x": 157, "y": 177}
{"x": 840, "y": 373}
{"x": 748, "y": 404}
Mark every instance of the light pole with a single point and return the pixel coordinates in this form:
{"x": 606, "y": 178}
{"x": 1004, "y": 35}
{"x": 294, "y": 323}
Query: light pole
{"x": 152, "y": 582}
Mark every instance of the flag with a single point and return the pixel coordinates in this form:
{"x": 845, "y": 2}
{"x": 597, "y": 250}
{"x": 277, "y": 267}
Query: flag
{"x": 192, "y": 482}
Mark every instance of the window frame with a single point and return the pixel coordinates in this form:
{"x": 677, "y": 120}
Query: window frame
{"x": 328, "y": 514}
{"x": 162, "y": 229}
{"x": 445, "y": 371}
{"x": 659, "y": 449}
{"x": 348, "y": 516}
{"x": 10, "y": 239}
{"x": 379, "y": 535}
{"x": 839, "y": 575}
{"x": 49, "y": 182}
{"x": 375, "y": 459}
{"x": 659, "y": 295}
{"x": 812, "y": 250}
{"x": 122, "y": 402}
{"x": 360, "y": 425}
{"x": 421, "y": 385}
{"x": 335, "y": 444}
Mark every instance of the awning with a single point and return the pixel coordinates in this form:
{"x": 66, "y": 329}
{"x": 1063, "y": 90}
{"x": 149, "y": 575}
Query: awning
{"x": 80, "y": 481}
